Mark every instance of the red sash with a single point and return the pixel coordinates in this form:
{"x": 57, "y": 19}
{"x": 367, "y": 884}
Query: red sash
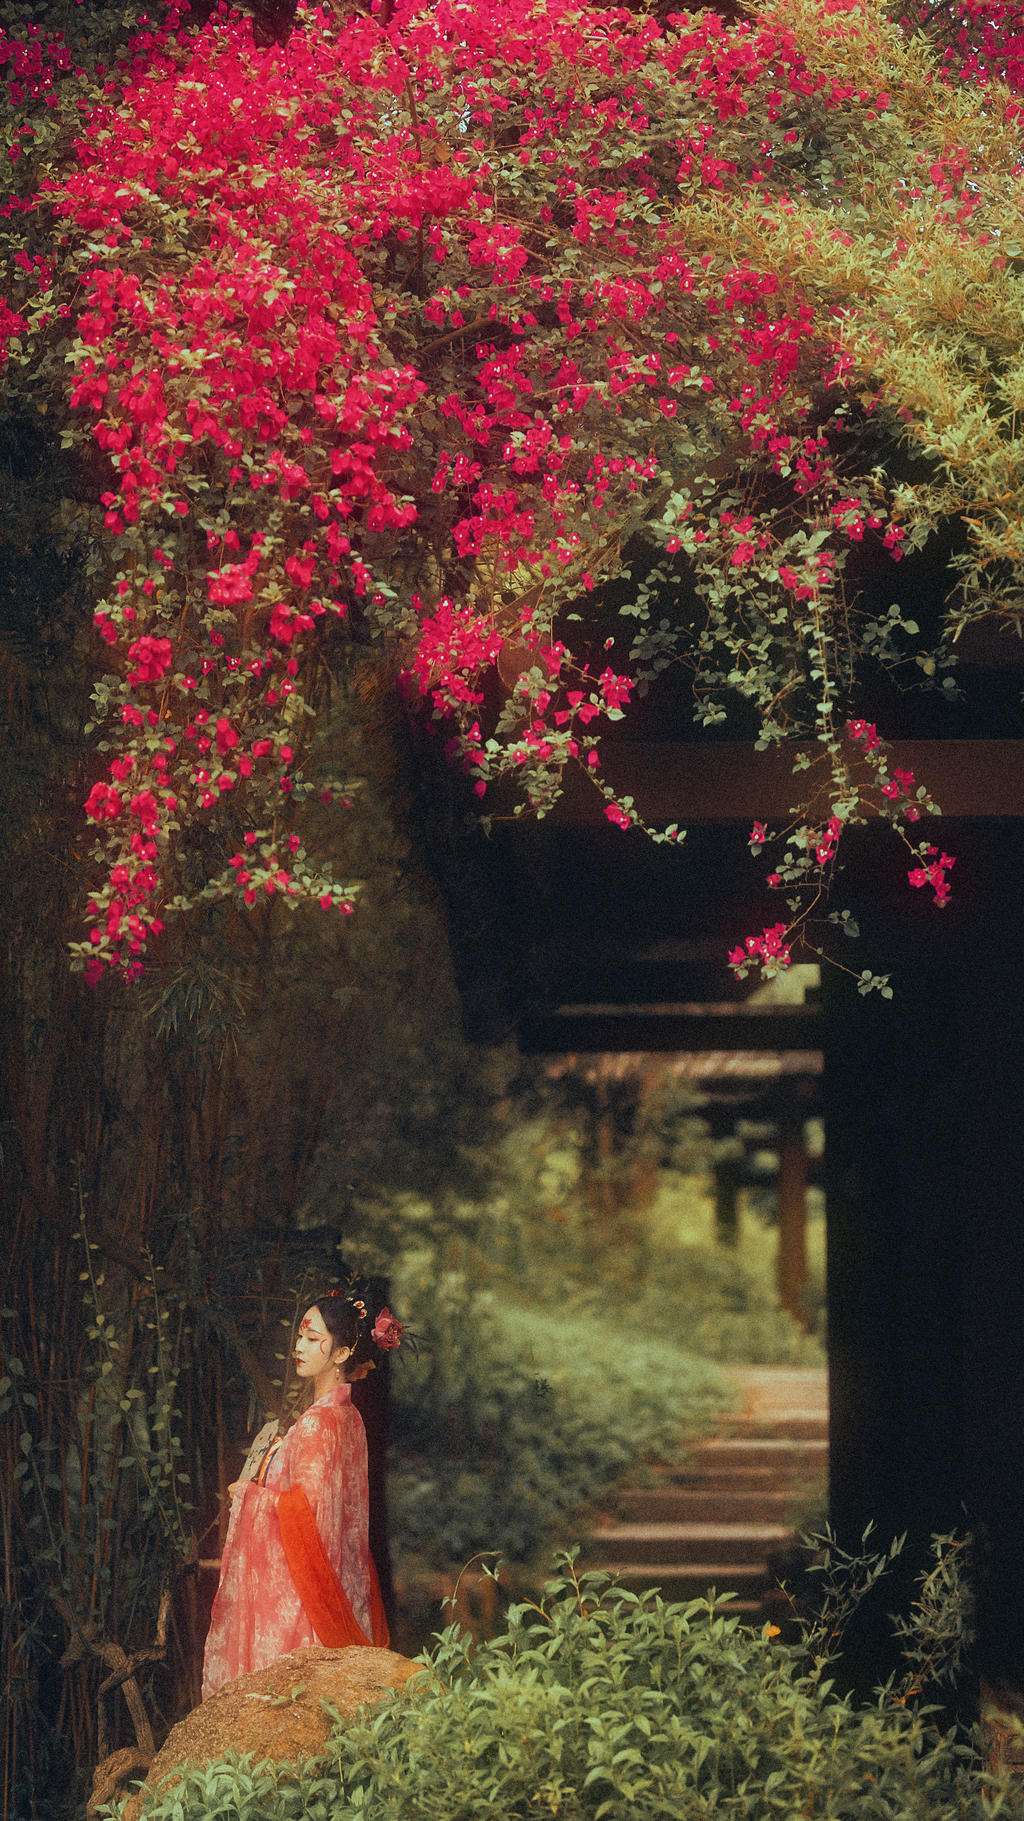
{"x": 324, "y": 1599}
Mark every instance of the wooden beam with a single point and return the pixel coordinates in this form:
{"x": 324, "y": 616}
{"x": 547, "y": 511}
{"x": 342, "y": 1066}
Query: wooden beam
{"x": 728, "y": 781}
{"x": 668, "y": 1027}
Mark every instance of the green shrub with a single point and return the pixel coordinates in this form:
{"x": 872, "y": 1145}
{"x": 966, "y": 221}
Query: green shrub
{"x": 601, "y": 1705}
{"x": 238, "y": 1788}
{"x": 497, "y": 1441}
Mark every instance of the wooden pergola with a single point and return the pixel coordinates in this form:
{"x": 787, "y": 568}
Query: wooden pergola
{"x": 583, "y": 937}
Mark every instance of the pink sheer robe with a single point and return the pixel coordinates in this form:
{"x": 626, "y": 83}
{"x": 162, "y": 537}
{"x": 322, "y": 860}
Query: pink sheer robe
{"x": 258, "y": 1614}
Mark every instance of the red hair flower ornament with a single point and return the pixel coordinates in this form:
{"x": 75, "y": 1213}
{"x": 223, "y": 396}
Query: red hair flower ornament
{"x": 387, "y": 1331}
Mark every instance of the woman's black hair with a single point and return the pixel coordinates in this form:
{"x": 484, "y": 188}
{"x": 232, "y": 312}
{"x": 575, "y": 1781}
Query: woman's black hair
{"x": 341, "y": 1318}
{"x": 349, "y": 1321}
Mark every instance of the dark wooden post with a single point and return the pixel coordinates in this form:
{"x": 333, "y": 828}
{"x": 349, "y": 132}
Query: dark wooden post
{"x": 727, "y": 1217}
{"x": 791, "y": 1257}
{"x": 372, "y": 1398}
{"x": 924, "y": 1112}
{"x": 991, "y": 1199}
{"x": 893, "y": 1105}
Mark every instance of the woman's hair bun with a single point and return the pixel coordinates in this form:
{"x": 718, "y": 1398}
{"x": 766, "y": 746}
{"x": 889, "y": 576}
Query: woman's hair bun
{"x": 351, "y": 1324}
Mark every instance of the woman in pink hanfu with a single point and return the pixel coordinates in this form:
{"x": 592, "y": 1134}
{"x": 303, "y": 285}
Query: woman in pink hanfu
{"x": 296, "y": 1567}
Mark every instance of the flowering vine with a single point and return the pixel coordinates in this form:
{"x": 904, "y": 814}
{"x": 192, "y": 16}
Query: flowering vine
{"x": 425, "y": 334}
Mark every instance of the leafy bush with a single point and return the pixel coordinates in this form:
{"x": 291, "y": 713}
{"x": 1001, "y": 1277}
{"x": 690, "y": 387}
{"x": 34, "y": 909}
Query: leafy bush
{"x": 239, "y": 1788}
{"x": 601, "y": 1705}
{"x": 511, "y": 1419}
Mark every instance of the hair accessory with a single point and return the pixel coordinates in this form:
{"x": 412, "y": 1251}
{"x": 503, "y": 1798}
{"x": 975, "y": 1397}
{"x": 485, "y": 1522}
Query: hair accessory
{"x": 329, "y": 1293}
{"x": 360, "y": 1307}
{"x": 387, "y": 1331}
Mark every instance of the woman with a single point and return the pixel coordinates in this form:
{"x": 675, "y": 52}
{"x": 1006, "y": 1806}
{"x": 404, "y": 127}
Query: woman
{"x": 296, "y": 1567}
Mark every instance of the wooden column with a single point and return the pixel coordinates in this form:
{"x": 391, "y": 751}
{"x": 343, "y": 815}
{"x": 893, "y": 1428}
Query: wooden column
{"x": 991, "y": 1200}
{"x": 727, "y": 1217}
{"x": 895, "y": 1251}
{"x": 791, "y": 1257}
{"x": 924, "y": 1119}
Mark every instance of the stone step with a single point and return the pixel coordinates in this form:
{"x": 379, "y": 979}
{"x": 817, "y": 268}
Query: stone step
{"x": 799, "y": 1488}
{"x": 762, "y": 1504}
{"x": 679, "y": 1545}
{"x": 744, "y": 1479}
{"x": 772, "y": 1390}
{"x": 726, "y": 1457}
{"x": 796, "y": 1426}
{"x": 754, "y": 1480}
{"x": 723, "y": 1519}
{"x": 750, "y": 1581}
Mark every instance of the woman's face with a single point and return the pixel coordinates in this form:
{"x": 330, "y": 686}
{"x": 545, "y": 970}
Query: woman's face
{"x": 315, "y": 1345}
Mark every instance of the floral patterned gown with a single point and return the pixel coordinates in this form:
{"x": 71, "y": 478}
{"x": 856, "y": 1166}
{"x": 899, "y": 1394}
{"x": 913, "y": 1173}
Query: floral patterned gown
{"x": 296, "y": 1567}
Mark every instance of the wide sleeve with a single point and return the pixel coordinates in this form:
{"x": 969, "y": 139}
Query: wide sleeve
{"x": 257, "y": 1613}
{"x": 320, "y": 1450}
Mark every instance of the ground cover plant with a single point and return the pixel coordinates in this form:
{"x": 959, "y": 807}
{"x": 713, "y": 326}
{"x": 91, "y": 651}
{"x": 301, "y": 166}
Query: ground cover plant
{"x": 601, "y": 1705}
{"x": 427, "y": 327}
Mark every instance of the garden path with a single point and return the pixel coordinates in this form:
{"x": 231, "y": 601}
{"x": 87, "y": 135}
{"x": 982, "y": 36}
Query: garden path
{"x": 727, "y": 1514}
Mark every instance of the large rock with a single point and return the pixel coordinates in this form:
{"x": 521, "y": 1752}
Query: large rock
{"x": 276, "y": 1712}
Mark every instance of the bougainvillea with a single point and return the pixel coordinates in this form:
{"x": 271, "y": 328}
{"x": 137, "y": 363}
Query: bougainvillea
{"x": 424, "y": 334}
{"x": 976, "y": 39}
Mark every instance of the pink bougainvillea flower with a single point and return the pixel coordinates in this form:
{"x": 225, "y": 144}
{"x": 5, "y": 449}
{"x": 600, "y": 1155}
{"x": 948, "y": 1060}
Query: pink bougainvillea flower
{"x": 152, "y": 658}
{"x": 294, "y": 435}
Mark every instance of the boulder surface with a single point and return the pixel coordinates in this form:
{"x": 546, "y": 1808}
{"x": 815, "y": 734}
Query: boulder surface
{"x": 276, "y": 1712}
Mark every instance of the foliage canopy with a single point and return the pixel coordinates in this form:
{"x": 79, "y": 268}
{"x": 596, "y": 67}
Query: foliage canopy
{"x": 423, "y": 335}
